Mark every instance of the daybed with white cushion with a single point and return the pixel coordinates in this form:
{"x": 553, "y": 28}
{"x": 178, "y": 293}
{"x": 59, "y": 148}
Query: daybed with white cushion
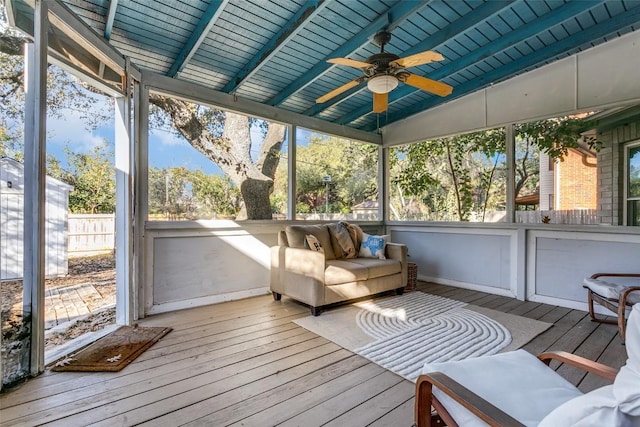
{"x": 325, "y": 264}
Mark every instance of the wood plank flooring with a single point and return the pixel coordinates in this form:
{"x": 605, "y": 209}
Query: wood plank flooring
{"x": 244, "y": 363}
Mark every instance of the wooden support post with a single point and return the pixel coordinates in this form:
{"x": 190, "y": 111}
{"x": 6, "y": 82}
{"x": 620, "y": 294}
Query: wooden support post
{"x": 35, "y": 184}
{"x": 124, "y": 206}
{"x": 141, "y": 173}
{"x": 291, "y": 172}
{"x": 383, "y": 184}
{"x": 511, "y": 173}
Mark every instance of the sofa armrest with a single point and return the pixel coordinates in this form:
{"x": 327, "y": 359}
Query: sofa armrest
{"x": 299, "y": 274}
{"x": 299, "y": 261}
{"x": 398, "y": 251}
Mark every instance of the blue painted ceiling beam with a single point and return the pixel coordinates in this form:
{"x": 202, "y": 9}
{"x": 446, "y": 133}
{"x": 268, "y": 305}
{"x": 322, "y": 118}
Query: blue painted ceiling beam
{"x": 474, "y": 17}
{"x": 389, "y": 20}
{"x": 273, "y": 46}
{"x": 522, "y": 33}
{"x": 111, "y": 16}
{"x": 198, "y": 35}
{"x": 628, "y": 18}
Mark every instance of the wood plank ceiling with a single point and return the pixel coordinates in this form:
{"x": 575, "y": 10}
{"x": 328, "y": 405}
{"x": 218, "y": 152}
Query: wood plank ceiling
{"x": 275, "y": 52}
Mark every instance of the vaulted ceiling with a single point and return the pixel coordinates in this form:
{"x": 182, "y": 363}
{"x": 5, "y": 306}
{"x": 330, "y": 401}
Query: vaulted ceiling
{"x": 275, "y": 52}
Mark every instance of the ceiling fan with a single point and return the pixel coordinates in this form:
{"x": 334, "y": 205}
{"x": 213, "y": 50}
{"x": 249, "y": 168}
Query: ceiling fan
{"x": 383, "y": 71}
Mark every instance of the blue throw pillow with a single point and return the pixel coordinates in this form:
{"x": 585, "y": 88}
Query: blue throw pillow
{"x": 372, "y": 246}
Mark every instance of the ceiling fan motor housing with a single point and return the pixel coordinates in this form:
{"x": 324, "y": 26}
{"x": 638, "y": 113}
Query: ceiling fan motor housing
{"x": 380, "y": 62}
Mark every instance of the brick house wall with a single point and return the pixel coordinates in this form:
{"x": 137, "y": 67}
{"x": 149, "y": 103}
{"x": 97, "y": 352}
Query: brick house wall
{"x": 611, "y": 171}
{"x": 577, "y": 182}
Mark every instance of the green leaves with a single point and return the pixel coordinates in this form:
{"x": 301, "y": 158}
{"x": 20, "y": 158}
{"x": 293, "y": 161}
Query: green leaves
{"x": 459, "y": 176}
{"x": 93, "y": 178}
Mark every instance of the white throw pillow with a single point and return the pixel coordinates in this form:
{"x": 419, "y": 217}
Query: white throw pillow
{"x": 373, "y": 246}
{"x": 614, "y": 405}
{"x": 313, "y": 243}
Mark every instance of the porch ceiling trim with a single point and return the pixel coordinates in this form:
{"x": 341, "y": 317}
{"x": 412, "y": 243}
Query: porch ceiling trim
{"x": 206, "y": 96}
{"x": 574, "y": 84}
{"x": 61, "y": 17}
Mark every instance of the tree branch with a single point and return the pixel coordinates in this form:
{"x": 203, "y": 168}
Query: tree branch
{"x": 11, "y": 45}
{"x": 270, "y": 153}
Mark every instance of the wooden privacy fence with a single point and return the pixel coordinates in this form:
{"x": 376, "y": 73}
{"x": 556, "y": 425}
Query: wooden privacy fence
{"x": 91, "y": 234}
{"x": 577, "y": 216}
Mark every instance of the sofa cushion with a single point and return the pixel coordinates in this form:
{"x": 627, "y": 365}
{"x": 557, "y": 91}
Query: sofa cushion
{"x": 343, "y": 246}
{"x": 339, "y": 271}
{"x": 372, "y": 246}
{"x": 355, "y": 232}
{"x": 610, "y": 290}
{"x": 296, "y": 236}
{"x": 379, "y": 267}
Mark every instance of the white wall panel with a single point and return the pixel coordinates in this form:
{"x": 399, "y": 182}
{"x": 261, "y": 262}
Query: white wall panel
{"x": 465, "y": 257}
{"x": 547, "y": 91}
{"x": 609, "y": 73}
{"x": 559, "y": 261}
{"x": 213, "y": 265}
{"x": 458, "y": 116}
{"x": 197, "y": 263}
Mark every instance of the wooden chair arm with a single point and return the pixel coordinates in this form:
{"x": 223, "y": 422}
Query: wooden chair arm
{"x": 484, "y": 410}
{"x": 596, "y": 368}
{"x": 596, "y": 275}
{"x": 625, "y": 294}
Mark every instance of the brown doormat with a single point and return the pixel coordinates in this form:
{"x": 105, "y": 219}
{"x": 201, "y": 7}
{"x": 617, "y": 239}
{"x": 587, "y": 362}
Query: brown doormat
{"x": 114, "y": 351}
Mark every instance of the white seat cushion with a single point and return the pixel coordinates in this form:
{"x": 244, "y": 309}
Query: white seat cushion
{"x": 596, "y": 408}
{"x": 538, "y": 389}
{"x": 626, "y": 387}
{"x": 610, "y": 290}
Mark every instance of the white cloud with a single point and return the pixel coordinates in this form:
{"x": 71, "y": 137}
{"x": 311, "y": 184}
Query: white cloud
{"x": 166, "y": 138}
{"x": 71, "y": 131}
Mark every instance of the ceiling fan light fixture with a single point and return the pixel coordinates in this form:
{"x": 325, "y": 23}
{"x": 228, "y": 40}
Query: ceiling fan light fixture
{"x": 382, "y": 84}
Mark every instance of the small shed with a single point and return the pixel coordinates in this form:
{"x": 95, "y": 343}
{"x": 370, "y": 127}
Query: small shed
{"x": 12, "y": 222}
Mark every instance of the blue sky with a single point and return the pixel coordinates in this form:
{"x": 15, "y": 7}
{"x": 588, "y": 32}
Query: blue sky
{"x": 166, "y": 149}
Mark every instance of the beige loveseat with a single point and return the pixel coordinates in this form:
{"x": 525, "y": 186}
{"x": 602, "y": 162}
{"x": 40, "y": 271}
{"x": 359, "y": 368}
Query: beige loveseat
{"x": 319, "y": 279}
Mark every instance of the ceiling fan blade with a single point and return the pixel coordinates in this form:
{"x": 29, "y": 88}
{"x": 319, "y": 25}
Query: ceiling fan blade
{"x": 428, "y": 85}
{"x": 349, "y": 62}
{"x": 380, "y": 102}
{"x": 418, "y": 59}
{"x": 338, "y": 91}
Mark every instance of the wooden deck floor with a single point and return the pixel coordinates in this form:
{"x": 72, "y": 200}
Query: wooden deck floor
{"x": 245, "y": 363}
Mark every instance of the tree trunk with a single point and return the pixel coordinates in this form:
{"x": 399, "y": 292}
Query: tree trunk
{"x": 255, "y": 194}
{"x": 232, "y": 152}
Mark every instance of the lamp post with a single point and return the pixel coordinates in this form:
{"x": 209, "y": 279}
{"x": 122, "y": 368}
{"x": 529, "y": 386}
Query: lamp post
{"x": 326, "y": 179}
